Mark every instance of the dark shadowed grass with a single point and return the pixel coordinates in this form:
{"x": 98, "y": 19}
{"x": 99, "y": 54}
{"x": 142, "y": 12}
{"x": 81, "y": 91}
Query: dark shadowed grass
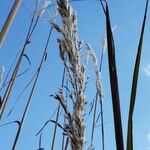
{"x": 134, "y": 85}
{"x": 113, "y": 80}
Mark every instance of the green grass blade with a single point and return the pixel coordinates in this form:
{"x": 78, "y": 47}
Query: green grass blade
{"x": 134, "y": 86}
{"x": 114, "y": 83}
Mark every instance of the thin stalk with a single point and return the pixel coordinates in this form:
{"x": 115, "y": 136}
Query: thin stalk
{"x": 67, "y": 143}
{"x": 55, "y": 129}
{"x": 57, "y": 116}
{"x": 6, "y": 83}
{"x": 101, "y": 102}
{"x": 9, "y": 20}
{"x": 40, "y": 132}
{"x": 14, "y": 74}
{"x": 32, "y": 91}
{"x": 46, "y": 123}
{"x": 63, "y": 139}
{"x": 93, "y": 122}
{"x": 102, "y": 124}
{"x": 98, "y": 94}
{"x": 40, "y": 141}
{"x": 27, "y": 85}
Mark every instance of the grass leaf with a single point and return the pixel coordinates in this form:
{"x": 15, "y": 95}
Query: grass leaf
{"x": 113, "y": 81}
{"x": 16, "y": 122}
{"x": 134, "y": 86}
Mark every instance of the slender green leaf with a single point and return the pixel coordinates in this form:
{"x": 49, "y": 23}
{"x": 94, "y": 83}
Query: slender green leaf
{"x": 134, "y": 85}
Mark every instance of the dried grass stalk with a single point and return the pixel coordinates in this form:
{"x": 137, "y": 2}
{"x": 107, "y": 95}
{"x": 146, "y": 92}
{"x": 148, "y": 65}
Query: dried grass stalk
{"x": 9, "y": 20}
{"x": 99, "y": 95}
{"x": 69, "y": 47}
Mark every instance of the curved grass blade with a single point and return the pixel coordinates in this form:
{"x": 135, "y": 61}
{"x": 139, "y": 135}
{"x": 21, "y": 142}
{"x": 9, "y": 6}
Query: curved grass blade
{"x": 134, "y": 85}
{"x": 16, "y": 122}
{"x": 46, "y": 123}
{"x": 113, "y": 81}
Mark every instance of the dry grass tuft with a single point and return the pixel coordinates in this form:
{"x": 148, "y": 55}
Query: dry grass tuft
{"x": 69, "y": 47}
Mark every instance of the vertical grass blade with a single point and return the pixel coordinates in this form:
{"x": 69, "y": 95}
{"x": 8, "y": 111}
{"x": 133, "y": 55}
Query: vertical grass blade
{"x": 114, "y": 82}
{"x": 134, "y": 85}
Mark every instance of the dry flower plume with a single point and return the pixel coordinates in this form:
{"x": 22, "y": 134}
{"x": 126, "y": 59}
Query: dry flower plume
{"x": 69, "y": 47}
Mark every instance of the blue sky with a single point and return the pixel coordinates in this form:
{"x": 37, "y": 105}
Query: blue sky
{"x": 127, "y": 15}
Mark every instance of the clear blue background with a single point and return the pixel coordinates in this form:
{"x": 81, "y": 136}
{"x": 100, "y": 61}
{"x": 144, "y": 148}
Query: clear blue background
{"x": 127, "y": 15}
